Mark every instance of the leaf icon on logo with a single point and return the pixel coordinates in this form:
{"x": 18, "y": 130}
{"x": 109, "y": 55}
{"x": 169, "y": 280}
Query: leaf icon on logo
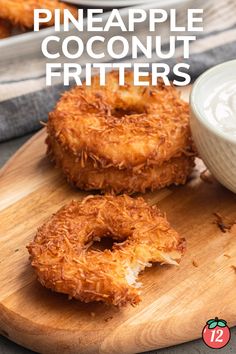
{"x": 213, "y": 325}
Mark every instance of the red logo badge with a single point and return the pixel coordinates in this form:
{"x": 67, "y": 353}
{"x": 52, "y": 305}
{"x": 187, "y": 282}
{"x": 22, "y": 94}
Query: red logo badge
{"x": 216, "y": 333}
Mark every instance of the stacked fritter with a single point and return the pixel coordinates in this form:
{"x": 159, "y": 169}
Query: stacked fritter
{"x": 20, "y": 13}
{"x": 121, "y": 138}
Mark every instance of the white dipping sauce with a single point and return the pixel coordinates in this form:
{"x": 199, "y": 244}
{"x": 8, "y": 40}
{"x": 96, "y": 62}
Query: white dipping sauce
{"x": 220, "y": 108}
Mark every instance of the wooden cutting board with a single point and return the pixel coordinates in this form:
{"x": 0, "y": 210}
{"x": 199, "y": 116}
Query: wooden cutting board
{"x": 177, "y": 301}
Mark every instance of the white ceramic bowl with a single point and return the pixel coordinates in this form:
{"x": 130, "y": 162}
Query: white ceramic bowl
{"x": 216, "y": 148}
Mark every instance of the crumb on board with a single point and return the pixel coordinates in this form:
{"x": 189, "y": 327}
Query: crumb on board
{"x": 206, "y": 176}
{"x": 223, "y": 223}
{"x": 227, "y": 255}
{"x": 195, "y": 263}
{"x": 108, "y": 318}
{"x": 233, "y": 267}
{"x": 44, "y": 124}
{"x": 92, "y": 314}
{"x": 16, "y": 250}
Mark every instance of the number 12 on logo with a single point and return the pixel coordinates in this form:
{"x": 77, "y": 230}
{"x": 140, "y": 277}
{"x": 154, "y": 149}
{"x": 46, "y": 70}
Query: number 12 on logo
{"x": 216, "y": 333}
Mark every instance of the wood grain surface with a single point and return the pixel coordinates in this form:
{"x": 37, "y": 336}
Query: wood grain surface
{"x": 177, "y": 301}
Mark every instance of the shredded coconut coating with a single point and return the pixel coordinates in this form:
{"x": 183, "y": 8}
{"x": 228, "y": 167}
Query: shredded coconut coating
{"x": 122, "y": 126}
{"x": 64, "y": 261}
{"x": 133, "y": 134}
{"x": 88, "y": 176}
{"x": 21, "y": 12}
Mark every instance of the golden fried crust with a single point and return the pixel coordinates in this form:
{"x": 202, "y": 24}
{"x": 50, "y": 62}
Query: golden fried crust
{"x": 5, "y": 29}
{"x": 122, "y": 126}
{"x": 21, "y": 12}
{"x": 86, "y": 176}
{"x": 64, "y": 261}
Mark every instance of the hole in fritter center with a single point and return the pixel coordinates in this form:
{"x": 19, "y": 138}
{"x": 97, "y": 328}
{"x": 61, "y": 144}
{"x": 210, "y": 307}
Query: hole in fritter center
{"x": 105, "y": 243}
{"x": 121, "y": 112}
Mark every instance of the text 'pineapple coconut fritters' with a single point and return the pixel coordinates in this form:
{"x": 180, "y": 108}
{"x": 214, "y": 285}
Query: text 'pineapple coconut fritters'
{"x": 64, "y": 260}
{"x": 21, "y": 12}
{"x": 121, "y": 138}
